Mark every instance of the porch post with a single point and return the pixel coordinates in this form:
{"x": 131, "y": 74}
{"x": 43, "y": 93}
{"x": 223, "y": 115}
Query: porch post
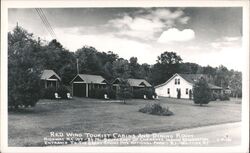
{"x": 72, "y": 89}
{"x": 87, "y": 93}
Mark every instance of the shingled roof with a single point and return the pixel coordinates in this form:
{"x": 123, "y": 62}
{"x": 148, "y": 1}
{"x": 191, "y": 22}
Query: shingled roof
{"x": 136, "y": 82}
{"x": 211, "y": 86}
{"x": 88, "y": 78}
{"x": 192, "y": 78}
{"x": 48, "y": 74}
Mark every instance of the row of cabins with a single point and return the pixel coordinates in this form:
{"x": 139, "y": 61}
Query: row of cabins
{"x": 178, "y": 85}
{"x": 82, "y": 84}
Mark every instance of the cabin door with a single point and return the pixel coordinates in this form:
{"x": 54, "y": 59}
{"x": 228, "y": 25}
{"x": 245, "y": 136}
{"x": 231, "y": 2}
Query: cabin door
{"x": 79, "y": 89}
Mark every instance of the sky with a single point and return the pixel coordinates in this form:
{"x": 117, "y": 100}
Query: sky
{"x": 202, "y": 35}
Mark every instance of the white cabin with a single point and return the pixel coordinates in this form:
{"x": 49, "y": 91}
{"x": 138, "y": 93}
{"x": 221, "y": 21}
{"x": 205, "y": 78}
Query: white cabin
{"x": 182, "y": 83}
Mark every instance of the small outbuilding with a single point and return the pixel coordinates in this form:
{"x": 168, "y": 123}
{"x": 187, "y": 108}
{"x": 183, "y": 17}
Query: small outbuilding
{"x": 83, "y": 84}
{"x": 50, "y": 79}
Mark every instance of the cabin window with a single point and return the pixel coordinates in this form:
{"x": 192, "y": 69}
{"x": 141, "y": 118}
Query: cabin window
{"x": 186, "y": 91}
{"x": 178, "y": 81}
{"x": 175, "y": 81}
{"x": 168, "y": 90}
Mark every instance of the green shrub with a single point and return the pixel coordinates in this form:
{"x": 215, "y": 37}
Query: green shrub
{"x": 223, "y": 97}
{"x": 23, "y": 69}
{"x": 98, "y": 93}
{"x": 111, "y": 93}
{"x": 215, "y": 96}
{"x": 62, "y": 92}
{"x": 150, "y": 93}
{"x": 139, "y": 93}
{"x": 49, "y": 93}
{"x": 156, "y": 109}
{"x": 201, "y": 93}
{"x": 124, "y": 93}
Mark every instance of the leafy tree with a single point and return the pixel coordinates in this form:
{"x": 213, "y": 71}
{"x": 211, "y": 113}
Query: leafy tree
{"x": 124, "y": 91}
{"x": 88, "y": 60}
{"x": 235, "y": 84}
{"x": 188, "y": 68}
{"x": 222, "y": 77}
{"x": 121, "y": 68}
{"x": 108, "y": 71}
{"x": 168, "y": 63}
{"x": 67, "y": 73}
{"x": 145, "y": 71}
{"x": 134, "y": 67}
{"x": 23, "y": 69}
{"x": 202, "y": 93}
{"x": 169, "y": 58}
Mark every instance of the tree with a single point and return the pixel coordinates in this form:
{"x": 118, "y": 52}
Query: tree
{"x": 169, "y": 58}
{"x": 188, "y": 68}
{"x": 168, "y": 63}
{"x": 124, "y": 91}
{"x": 134, "y": 67}
{"x": 201, "y": 93}
{"x": 67, "y": 73}
{"x": 222, "y": 77}
{"x": 88, "y": 60}
{"x": 235, "y": 84}
{"x": 121, "y": 68}
{"x": 23, "y": 69}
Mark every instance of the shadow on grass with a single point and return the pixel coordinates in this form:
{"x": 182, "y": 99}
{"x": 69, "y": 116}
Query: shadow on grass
{"x": 203, "y": 105}
{"x": 22, "y": 110}
{"x": 32, "y": 110}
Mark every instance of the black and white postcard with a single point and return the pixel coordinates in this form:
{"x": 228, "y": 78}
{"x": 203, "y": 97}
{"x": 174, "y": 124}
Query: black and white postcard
{"x": 124, "y": 76}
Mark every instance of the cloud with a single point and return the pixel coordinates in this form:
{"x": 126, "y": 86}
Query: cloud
{"x": 173, "y": 34}
{"x": 231, "y": 38}
{"x": 226, "y": 42}
{"x": 146, "y": 23}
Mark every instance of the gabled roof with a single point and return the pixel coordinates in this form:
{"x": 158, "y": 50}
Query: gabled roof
{"x": 138, "y": 82}
{"x": 211, "y": 86}
{"x": 166, "y": 81}
{"x": 135, "y": 82}
{"x": 87, "y": 78}
{"x": 47, "y": 74}
{"x": 190, "y": 78}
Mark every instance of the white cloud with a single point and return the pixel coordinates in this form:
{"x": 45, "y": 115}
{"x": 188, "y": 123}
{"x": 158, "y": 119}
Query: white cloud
{"x": 226, "y": 42}
{"x": 184, "y": 20}
{"x": 164, "y": 14}
{"x": 173, "y": 34}
{"x": 231, "y": 38}
{"x": 146, "y": 23}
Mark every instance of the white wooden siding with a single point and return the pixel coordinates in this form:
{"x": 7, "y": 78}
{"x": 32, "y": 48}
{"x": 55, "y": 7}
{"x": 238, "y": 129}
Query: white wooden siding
{"x": 163, "y": 90}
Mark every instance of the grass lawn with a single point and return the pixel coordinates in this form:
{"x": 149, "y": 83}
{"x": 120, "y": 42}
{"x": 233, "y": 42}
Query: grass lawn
{"x": 28, "y": 127}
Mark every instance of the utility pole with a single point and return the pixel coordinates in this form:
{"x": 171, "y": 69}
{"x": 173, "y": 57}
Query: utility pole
{"x": 77, "y": 67}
